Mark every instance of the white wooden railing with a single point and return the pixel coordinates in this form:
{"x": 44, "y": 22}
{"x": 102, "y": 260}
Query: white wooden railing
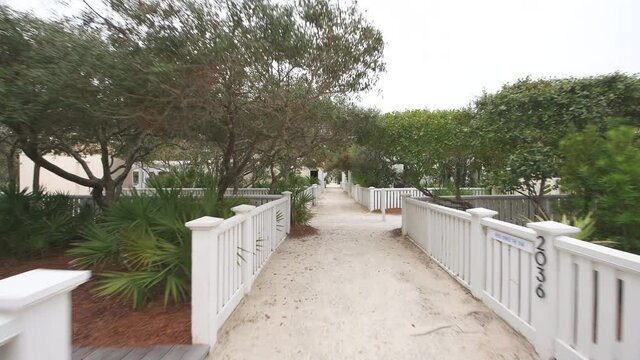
{"x": 571, "y": 299}
{"x": 35, "y": 314}
{"x": 80, "y": 201}
{"x": 313, "y": 192}
{"x": 228, "y": 255}
{"x": 598, "y": 301}
{"x": 200, "y": 191}
{"x": 391, "y": 198}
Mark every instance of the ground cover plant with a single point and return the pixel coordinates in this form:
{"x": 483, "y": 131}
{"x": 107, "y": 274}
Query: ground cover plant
{"x": 36, "y": 223}
{"x": 141, "y": 246}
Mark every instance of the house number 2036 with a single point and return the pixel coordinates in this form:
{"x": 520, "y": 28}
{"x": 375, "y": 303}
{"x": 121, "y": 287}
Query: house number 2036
{"x": 540, "y": 258}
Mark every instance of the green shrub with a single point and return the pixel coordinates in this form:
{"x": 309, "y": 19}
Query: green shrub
{"x": 449, "y": 190}
{"x": 32, "y": 223}
{"x": 292, "y": 182}
{"x": 143, "y": 243}
{"x": 187, "y": 176}
{"x": 601, "y": 173}
{"x": 301, "y": 206}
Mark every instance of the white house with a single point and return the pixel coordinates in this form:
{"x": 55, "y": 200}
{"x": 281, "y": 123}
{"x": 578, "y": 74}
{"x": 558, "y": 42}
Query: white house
{"x": 54, "y": 183}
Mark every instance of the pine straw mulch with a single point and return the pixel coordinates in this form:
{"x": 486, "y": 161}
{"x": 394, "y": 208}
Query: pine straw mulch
{"x": 396, "y": 232}
{"x": 102, "y": 321}
{"x": 392, "y": 211}
{"x": 300, "y": 230}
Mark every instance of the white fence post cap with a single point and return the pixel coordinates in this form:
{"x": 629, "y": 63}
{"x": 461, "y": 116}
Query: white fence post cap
{"x": 31, "y": 287}
{"x": 482, "y": 212}
{"x": 287, "y": 193}
{"x": 242, "y": 209}
{"x": 204, "y": 223}
{"x": 553, "y": 228}
{"x": 314, "y": 185}
{"x": 371, "y": 187}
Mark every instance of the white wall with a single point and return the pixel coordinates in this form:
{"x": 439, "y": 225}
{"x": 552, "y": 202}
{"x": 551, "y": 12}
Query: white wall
{"x": 54, "y": 183}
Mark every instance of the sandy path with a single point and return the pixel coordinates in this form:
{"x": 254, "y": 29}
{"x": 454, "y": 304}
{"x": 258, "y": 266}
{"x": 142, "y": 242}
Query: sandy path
{"x": 357, "y": 292}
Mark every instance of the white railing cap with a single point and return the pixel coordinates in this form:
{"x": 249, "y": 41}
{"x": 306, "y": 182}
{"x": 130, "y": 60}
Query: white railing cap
{"x": 204, "y": 223}
{"x": 242, "y": 209}
{"x": 482, "y": 212}
{"x": 287, "y": 193}
{"x": 553, "y": 228}
{"x": 31, "y": 287}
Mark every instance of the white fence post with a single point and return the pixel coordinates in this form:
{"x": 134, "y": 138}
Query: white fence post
{"x": 477, "y": 250}
{"x": 314, "y": 191}
{"x": 544, "y": 303}
{"x": 383, "y": 203}
{"x": 204, "y": 277}
{"x": 405, "y": 215}
{"x": 371, "y": 197}
{"x": 248, "y": 245}
{"x": 35, "y": 314}
{"x": 287, "y": 216}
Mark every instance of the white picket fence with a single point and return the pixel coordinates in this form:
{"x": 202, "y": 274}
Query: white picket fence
{"x": 313, "y": 191}
{"x": 391, "y": 198}
{"x": 200, "y": 191}
{"x": 571, "y": 299}
{"x": 81, "y": 201}
{"x": 228, "y": 255}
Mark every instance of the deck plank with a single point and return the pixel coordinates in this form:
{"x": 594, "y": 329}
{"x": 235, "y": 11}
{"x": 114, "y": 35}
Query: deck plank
{"x": 196, "y": 352}
{"x": 80, "y": 353}
{"x": 157, "y": 352}
{"x": 175, "y": 353}
{"x": 161, "y": 352}
{"x": 137, "y": 354}
{"x": 108, "y": 354}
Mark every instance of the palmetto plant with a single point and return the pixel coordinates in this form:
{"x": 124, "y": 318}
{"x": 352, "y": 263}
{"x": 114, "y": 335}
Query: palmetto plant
{"x": 301, "y": 206}
{"x": 31, "y": 223}
{"x": 143, "y": 242}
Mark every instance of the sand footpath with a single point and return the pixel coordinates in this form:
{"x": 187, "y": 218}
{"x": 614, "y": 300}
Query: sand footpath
{"x": 356, "y": 291}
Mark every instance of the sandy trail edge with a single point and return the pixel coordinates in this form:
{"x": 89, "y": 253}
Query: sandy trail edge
{"x": 357, "y": 292}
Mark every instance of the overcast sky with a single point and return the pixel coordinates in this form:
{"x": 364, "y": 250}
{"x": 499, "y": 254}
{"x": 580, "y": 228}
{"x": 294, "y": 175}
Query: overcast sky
{"x": 443, "y": 53}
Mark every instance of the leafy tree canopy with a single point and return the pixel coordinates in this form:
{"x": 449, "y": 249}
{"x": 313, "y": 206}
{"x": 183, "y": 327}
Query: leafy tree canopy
{"x": 244, "y": 78}
{"x": 521, "y": 126}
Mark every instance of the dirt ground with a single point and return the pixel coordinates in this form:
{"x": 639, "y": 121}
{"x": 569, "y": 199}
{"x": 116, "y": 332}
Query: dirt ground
{"x": 358, "y": 291}
{"x": 101, "y": 321}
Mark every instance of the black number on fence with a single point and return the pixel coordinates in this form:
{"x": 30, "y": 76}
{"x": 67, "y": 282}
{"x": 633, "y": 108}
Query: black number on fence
{"x": 541, "y": 260}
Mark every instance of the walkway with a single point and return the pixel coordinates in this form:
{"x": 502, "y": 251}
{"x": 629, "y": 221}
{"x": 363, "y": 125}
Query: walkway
{"x": 357, "y": 291}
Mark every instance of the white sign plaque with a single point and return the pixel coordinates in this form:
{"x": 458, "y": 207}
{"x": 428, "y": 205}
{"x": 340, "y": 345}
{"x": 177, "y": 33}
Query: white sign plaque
{"x": 517, "y": 242}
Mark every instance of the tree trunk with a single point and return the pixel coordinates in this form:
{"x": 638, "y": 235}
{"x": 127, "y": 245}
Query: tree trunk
{"x": 539, "y": 202}
{"x": 235, "y": 186}
{"x": 110, "y": 194}
{"x": 35, "y": 184}
{"x": 98, "y": 197}
{"x": 457, "y": 182}
{"x": 12, "y": 162}
{"x": 274, "y": 179}
{"x": 224, "y": 182}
